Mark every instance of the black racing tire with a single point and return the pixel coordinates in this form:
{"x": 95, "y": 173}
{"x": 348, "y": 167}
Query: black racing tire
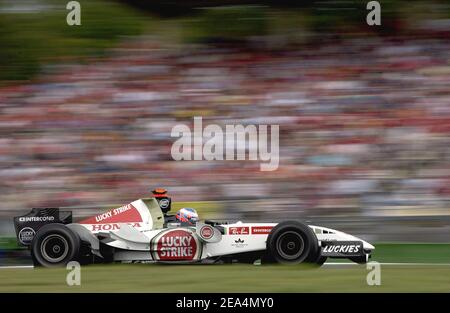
{"x": 292, "y": 242}
{"x": 55, "y": 245}
{"x": 320, "y": 261}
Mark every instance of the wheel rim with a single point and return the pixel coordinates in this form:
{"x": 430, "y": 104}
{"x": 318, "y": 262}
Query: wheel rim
{"x": 54, "y": 248}
{"x": 290, "y": 245}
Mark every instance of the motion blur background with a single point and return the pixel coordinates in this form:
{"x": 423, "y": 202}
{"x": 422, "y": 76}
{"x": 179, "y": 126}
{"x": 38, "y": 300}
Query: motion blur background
{"x": 364, "y": 111}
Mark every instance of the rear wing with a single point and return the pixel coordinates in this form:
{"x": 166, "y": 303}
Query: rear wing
{"x": 27, "y": 225}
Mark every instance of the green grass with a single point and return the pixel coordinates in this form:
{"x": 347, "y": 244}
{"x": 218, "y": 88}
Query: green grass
{"x": 226, "y": 278}
{"x": 8, "y": 243}
{"x": 412, "y": 253}
{"x": 249, "y": 278}
{"x": 205, "y": 209}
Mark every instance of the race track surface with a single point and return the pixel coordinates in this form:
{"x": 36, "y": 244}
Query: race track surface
{"x": 333, "y": 277}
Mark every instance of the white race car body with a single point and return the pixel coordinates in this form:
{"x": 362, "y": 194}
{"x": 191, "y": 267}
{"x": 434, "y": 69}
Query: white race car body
{"x": 140, "y": 231}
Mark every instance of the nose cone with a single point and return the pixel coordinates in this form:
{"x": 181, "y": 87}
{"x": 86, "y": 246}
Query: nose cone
{"x": 367, "y": 246}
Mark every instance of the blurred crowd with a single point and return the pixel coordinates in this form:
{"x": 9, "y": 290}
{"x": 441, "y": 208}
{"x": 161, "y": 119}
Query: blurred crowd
{"x": 364, "y": 127}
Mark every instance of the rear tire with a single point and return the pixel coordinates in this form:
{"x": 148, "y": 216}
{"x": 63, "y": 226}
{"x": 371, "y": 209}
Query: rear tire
{"x": 55, "y": 245}
{"x": 292, "y": 242}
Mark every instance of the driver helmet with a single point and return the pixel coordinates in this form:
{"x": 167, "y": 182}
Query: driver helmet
{"x": 187, "y": 215}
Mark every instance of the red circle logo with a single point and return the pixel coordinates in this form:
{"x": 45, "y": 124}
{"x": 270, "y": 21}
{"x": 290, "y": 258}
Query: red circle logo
{"x": 206, "y": 232}
{"x": 176, "y": 245}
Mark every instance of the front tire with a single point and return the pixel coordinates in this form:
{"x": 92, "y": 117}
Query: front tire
{"x": 55, "y": 245}
{"x": 292, "y": 242}
{"x": 320, "y": 261}
{"x": 359, "y": 259}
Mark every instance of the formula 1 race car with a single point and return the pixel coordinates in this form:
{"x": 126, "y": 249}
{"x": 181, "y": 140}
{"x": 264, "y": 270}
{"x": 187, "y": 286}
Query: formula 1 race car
{"x": 144, "y": 231}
